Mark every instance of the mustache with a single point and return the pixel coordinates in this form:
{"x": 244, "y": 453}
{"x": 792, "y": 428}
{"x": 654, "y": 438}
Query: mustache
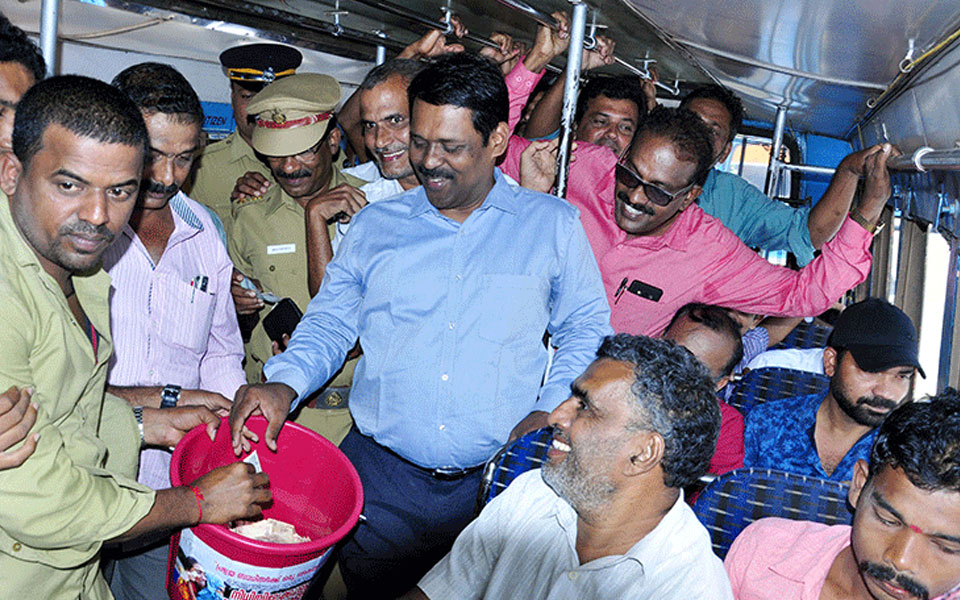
{"x": 302, "y": 173}
{"x": 155, "y": 187}
{"x": 623, "y": 197}
{"x": 433, "y": 173}
{"x": 610, "y": 144}
{"x": 86, "y": 230}
{"x": 557, "y": 433}
{"x": 885, "y": 573}
{"x": 391, "y": 149}
{"x": 877, "y": 402}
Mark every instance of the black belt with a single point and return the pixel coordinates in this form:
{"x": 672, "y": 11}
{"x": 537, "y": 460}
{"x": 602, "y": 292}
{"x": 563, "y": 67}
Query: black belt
{"x": 440, "y": 473}
{"x": 450, "y": 474}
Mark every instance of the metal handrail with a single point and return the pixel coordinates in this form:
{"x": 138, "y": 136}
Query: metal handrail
{"x": 548, "y": 21}
{"x": 925, "y": 159}
{"x": 571, "y": 90}
{"x": 405, "y": 13}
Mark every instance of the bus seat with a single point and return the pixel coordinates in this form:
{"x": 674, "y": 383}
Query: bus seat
{"x": 773, "y": 383}
{"x": 806, "y": 335}
{"x": 740, "y": 497}
{"x": 519, "y": 456}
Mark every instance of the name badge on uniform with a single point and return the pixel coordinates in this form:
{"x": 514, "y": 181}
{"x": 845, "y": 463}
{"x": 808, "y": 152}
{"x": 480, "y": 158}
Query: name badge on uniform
{"x": 282, "y": 249}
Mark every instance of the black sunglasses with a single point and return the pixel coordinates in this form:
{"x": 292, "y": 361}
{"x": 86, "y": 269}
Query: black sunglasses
{"x": 654, "y": 193}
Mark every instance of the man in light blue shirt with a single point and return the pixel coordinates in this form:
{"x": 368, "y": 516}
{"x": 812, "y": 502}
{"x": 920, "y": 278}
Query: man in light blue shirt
{"x": 450, "y": 288}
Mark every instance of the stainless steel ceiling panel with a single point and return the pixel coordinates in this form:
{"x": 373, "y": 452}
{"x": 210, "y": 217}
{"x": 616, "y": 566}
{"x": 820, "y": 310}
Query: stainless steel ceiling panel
{"x": 862, "y": 40}
{"x": 936, "y": 93}
{"x": 900, "y": 122}
{"x": 746, "y": 44}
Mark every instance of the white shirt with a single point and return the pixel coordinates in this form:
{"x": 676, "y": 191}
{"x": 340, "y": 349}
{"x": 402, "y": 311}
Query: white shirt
{"x": 523, "y": 545}
{"x": 806, "y": 359}
{"x": 368, "y": 171}
{"x": 378, "y": 189}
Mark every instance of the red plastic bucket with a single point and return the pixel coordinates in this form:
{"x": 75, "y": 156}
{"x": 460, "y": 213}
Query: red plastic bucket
{"x": 315, "y": 488}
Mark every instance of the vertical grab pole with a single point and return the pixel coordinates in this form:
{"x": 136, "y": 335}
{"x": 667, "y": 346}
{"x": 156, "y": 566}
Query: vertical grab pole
{"x": 949, "y": 314}
{"x": 773, "y": 169}
{"x": 49, "y": 20}
{"x": 571, "y": 89}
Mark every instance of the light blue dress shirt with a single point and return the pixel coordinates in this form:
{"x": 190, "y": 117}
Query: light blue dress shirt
{"x": 758, "y": 221}
{"x": 451, "y": 319}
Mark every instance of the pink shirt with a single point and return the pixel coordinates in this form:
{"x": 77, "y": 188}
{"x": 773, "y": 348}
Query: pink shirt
{"x": 783, "y": 559}
{"x": 699, "y": 260}
{"x": 591, "y": 172}
{"x": 787, "y": 560}
{"x": 166, "y": 331}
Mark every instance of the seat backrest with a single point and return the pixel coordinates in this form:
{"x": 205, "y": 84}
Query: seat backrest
{"x": 806, "y": 335}
{"x": 773, "y": 383}
{"x": 736, "y": 499}
{"x": 519, "y": 456}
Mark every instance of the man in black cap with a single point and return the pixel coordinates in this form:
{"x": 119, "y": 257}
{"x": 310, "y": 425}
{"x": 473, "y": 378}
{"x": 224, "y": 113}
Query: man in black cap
{"x": 250, "y": 68}
{"x": 871, "y": 358}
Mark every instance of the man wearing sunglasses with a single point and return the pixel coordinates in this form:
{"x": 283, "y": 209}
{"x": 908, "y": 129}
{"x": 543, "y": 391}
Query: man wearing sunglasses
{"x": 295, "y": 131}
{"x": 658, "y": 251}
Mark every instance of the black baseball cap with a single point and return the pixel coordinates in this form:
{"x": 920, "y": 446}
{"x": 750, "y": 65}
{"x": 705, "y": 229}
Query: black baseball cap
{"x": 878, "y": 335}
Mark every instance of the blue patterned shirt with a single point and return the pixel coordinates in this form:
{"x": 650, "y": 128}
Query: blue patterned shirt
{"x": 779, "y": 435}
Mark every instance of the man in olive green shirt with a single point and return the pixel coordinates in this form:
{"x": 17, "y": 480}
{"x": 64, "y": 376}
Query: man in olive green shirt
{"x": 250, "y": 67}
{"x": 67, "y": 189}
{"x": 282, "y": 238}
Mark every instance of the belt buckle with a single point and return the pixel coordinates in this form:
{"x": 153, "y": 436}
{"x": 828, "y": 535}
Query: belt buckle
{"x": 334, "y": 400}
{"x": 448, "y": 474}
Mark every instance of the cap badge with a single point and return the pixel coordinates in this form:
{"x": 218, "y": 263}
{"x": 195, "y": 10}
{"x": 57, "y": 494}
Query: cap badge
{"x": 278, "y": 117}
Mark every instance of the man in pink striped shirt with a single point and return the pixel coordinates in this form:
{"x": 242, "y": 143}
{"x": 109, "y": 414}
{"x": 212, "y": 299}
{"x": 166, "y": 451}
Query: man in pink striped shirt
{"x": 176, "y": 339}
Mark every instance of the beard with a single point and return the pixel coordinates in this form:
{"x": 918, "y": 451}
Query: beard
{"x": 857, "y": 410}
{"x": 585, "y": 489}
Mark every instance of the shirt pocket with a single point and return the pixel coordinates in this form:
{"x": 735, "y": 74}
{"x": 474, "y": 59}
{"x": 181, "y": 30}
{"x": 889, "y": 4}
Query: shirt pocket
{"x": 186, "y": 314}
{"x": 514, "y": 308}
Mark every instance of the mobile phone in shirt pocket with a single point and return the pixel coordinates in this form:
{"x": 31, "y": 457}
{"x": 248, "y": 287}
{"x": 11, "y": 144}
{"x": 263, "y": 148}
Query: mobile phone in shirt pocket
{"x": 186, "y": 314}
{"x": 513, "y": 307}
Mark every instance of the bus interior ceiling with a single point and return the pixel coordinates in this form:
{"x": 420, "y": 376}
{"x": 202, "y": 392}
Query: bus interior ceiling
{"x": 843, "y": 74}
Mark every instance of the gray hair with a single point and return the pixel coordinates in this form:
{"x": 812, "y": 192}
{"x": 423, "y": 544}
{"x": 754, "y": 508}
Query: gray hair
{"x": 675, "y": 397}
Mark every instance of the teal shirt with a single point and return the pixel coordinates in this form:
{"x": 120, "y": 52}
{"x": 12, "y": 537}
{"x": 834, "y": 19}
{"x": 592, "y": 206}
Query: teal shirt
{"x": 756, "y": 219}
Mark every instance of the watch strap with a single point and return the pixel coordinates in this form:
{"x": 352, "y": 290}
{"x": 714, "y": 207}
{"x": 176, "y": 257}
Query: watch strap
{"x": 169, "y": 396}
{"x": 138, "y": 415}
{"x": 859, "y": 219}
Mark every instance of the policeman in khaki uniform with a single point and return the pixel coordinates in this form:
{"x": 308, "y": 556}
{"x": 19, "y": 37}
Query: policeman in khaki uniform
{"x": 250, "y": 68}
{"x": 281, "y": 239}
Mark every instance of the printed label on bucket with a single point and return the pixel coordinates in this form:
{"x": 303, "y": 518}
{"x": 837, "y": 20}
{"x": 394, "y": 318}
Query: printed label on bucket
{"x": 202, "y": 573}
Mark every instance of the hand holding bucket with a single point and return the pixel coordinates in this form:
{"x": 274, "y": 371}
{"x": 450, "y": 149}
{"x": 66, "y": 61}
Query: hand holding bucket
{"x": 272, "y": 400}
{"x": 314, "y": 488}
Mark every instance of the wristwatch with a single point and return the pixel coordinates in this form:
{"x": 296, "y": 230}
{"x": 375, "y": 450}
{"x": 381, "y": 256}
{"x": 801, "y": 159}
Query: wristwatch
{"x": 169, "y": 396}
{"x": 138, "y": 415}
{"x": 860, "y": 220}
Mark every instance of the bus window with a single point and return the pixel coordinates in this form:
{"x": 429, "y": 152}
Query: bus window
{"x": 749, "y": 158}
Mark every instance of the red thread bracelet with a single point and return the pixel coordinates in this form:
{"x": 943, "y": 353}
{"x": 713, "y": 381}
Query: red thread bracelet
{"x": 199, "y": 496}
